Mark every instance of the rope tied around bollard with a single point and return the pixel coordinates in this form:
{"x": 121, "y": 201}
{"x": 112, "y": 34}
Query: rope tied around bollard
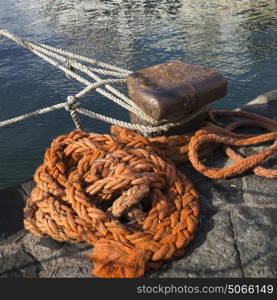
{"x": 122, "y": 193}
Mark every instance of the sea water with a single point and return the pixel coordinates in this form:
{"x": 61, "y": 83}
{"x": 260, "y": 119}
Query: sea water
{"x": 237, "y": 38}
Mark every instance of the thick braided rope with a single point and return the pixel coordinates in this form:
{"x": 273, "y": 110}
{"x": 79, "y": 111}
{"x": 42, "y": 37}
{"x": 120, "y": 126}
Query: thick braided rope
{"x": 84, "y": 173}
{"x": 178, "y": 147}
{"x": 259, "y": 171}
{"x": 122, "y": 195}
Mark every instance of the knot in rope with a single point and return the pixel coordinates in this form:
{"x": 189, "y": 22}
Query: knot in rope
{"x": 68, "y": 65}
{"x": 72, "y": 103}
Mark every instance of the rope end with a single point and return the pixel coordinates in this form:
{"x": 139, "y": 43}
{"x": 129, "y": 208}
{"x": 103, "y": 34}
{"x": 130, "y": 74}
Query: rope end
{"x": 114, "y": 259}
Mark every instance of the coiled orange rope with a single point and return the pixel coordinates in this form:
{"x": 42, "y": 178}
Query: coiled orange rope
{"x": 123, "y": 194}
{"x": 83, "y": 173}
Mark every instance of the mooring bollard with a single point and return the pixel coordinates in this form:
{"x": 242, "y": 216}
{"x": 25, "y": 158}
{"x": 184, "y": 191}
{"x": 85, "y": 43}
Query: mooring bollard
{"x": 174, "y": 90}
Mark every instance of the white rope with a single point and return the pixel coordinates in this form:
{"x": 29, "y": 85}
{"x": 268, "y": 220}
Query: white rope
{"x": 71, "y": 104}
{"x": 33, "y": 114}
{"x": 145, "y": 130}
{"x": 68, "y": 66}
{"x": 25, "y": 43}
{"x": 120, "y": 99}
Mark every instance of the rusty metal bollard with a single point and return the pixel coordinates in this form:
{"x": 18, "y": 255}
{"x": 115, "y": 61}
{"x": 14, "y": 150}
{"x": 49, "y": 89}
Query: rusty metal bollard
{"x": 173, "y": 90}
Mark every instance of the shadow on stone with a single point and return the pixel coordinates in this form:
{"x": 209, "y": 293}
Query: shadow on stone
{"x": 18, "y": 264}
{"x": 12, "y": 202}
{"x": 17, "y": 261}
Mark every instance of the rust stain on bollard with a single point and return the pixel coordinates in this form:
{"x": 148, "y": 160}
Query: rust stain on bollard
{"x": 173, "y": 90}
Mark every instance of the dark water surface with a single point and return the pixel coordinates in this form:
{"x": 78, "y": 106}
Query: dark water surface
{"x": 238, "y": 38}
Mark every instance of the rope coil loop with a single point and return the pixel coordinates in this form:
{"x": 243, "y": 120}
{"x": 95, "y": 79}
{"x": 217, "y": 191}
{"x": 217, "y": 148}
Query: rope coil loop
{"x": 123, "y": 195}
{"x": 117, "y": 194}
{"x": 219, "y": 135}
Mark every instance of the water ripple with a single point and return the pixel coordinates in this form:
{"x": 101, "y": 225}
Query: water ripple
{"x": 235, "y": 37}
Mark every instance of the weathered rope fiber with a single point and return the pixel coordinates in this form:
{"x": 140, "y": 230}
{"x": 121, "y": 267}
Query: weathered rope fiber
{"x": 82, "y": 173}
{"x": 123, "y": 195}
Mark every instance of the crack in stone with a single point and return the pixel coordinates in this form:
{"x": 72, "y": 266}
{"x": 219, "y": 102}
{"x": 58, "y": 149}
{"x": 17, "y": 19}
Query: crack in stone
{"x": 230, "y": 207}
{"x": 235, "y": 244}
{"x": 36, "y": 261}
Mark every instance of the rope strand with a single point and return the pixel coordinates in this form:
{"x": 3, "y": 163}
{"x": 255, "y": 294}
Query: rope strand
{"x": 68, "y": 66}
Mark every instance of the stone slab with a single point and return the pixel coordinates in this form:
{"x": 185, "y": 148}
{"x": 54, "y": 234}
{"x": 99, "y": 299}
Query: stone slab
{"x": 265, "y": 104}
{"x": 15, "y": 262}
{"x": 220, "y": 194}
{"x": 259, "y": 191}
{"x": 215, "y": 194}
{"x": 255, "y": 232}
{"x": 57, "y": 259}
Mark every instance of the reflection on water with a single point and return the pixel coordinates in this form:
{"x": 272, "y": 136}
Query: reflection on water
{"x": 235, "y": 37}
